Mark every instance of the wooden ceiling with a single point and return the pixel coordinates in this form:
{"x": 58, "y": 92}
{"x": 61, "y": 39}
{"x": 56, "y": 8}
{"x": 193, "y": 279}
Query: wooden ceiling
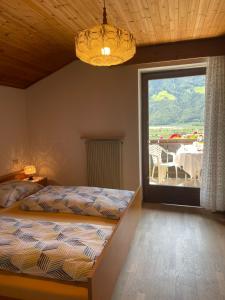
{"x": 37, "y": 36}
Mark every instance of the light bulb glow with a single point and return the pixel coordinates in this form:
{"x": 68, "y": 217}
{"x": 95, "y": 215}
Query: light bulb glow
{"x": 105, "y": 51}
{"x": 30, "y": 170}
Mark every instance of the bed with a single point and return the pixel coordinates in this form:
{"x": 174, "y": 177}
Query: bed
{"x": 101, "y": 280}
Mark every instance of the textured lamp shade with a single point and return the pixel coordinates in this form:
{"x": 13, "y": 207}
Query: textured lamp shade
{"x": 30, "y": 170}
{"x": 105, "y": 45}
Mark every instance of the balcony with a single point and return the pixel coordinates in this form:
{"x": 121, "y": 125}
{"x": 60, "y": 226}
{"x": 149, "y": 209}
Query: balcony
{"x": 178, "y": 164}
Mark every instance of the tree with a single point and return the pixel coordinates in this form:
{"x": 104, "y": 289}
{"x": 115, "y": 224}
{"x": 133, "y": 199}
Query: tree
{"x": 163, "y": 95}
{"x": 199, "y": 89}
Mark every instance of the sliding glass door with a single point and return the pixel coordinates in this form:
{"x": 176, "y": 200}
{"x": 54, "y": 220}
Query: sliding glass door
{"x": 173, "y": 135}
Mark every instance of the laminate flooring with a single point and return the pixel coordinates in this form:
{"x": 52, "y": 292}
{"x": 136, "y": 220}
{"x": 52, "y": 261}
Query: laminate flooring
{"x": 178, "y": 253}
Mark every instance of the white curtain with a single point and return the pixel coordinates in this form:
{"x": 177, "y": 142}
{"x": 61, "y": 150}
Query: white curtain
{"x": 213, "y": 172}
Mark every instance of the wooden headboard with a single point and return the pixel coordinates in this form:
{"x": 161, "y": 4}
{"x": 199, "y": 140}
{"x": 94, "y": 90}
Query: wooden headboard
{"x": 15, "y": 175}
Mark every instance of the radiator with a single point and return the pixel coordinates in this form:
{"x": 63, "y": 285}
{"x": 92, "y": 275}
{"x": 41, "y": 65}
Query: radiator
{"x": 104, "y": 163}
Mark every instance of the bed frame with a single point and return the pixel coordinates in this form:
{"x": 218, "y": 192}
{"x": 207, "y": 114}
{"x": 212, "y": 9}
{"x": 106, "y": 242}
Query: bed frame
{"x": 15, "y": 175}
{"x": 104, "y": 275}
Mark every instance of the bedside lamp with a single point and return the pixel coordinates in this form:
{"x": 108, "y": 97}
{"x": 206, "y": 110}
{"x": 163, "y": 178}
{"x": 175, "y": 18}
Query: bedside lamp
{"x": 30, "y": 171}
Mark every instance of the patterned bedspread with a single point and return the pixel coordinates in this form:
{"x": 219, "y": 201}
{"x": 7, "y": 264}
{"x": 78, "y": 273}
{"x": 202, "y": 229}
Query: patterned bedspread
{"x": 63, "y": 251}
{"x": 81, "y": 200}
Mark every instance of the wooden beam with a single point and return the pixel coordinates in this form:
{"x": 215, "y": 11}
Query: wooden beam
{"x": 179, "y": 50}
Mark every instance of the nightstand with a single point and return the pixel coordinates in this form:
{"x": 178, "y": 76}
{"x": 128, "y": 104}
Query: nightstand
{"x": 38, "y": 179}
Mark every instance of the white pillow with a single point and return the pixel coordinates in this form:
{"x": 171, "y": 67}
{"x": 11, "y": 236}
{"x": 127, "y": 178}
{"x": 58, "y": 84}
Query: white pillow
{"x": 11, "y": 191}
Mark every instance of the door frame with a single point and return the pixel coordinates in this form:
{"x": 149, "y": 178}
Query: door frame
{"x": 159, "y": 193}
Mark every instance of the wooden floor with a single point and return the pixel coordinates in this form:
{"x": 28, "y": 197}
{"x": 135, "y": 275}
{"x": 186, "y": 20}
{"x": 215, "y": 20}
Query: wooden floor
{"x": 178, "y": 253}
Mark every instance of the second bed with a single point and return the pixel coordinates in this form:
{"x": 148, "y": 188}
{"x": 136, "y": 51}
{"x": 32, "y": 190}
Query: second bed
{"x": 103, "y": 274}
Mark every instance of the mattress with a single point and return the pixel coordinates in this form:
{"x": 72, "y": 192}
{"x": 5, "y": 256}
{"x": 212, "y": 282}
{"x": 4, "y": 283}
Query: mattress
{"x": 17, "y": 212}
{"x": 81, "y": 200}
{"x": 27, "y": 286}
{"x": 58, "y": 250}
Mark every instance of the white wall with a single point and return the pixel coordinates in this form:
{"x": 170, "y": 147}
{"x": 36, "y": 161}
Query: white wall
{"x": 80, "y": 100}
{"x": 13, "y": 130}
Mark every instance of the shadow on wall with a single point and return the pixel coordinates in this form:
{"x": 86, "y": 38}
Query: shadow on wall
{"x": 47, "y": 160}
{"x": 56, "y": 159}
{"x": 13, "y": 160}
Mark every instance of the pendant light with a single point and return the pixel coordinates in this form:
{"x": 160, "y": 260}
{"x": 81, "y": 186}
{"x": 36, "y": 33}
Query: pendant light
{"x": 104, "y": 44}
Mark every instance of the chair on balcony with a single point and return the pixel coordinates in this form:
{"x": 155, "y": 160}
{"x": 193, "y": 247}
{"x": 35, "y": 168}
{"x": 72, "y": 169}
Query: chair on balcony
{"x": 156, "y": 152}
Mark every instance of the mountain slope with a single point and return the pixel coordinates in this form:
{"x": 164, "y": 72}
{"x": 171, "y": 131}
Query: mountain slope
{"x": 176, "y": 100}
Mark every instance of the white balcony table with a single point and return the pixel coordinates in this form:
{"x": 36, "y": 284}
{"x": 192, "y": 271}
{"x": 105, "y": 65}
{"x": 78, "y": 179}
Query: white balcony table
{"x": 189, "y": 158}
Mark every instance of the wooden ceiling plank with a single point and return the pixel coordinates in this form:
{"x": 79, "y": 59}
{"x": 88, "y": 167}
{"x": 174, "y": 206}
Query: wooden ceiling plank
{"x": 13, "y": 82}
{"x": 212, "y": 18}
{"x": 44, "y": 61}
{"x": 65, "y": 19}
{"x": 183, "y": 11}
{"x": 200, "y": 18}
{"x": 173, "y": 18}
{"x": 16, "y": 52}
{"x": 194, "y": 7}
{"x": 37, "y": 36}
{"x": 155, "y": 18}
{"x": 41, "y": 52}
{"x": 8, "y": 68}
{"x": 123, "y": 11}
{"x": 15, "y": 32}
{"x": 164, "y": 17}
{"x": 120, "y": 9}
{"x": 24, "y": 18}
{"x": 221, "y": 28}
{"x": 133, "y": 21}
{"x": 217, "y": 19}
{"x": 24, "y": 80}
{"x": 90, "y": 12}
{"x": 23, "y": 65}
{"x": 149, "y": 29}
{"x": 114, "y": 15}
{"x": 52, "y": 21}
{"x": 135, "y": 13}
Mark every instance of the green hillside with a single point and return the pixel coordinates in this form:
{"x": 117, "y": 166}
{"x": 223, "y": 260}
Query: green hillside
{"x": 177, "y": 101}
